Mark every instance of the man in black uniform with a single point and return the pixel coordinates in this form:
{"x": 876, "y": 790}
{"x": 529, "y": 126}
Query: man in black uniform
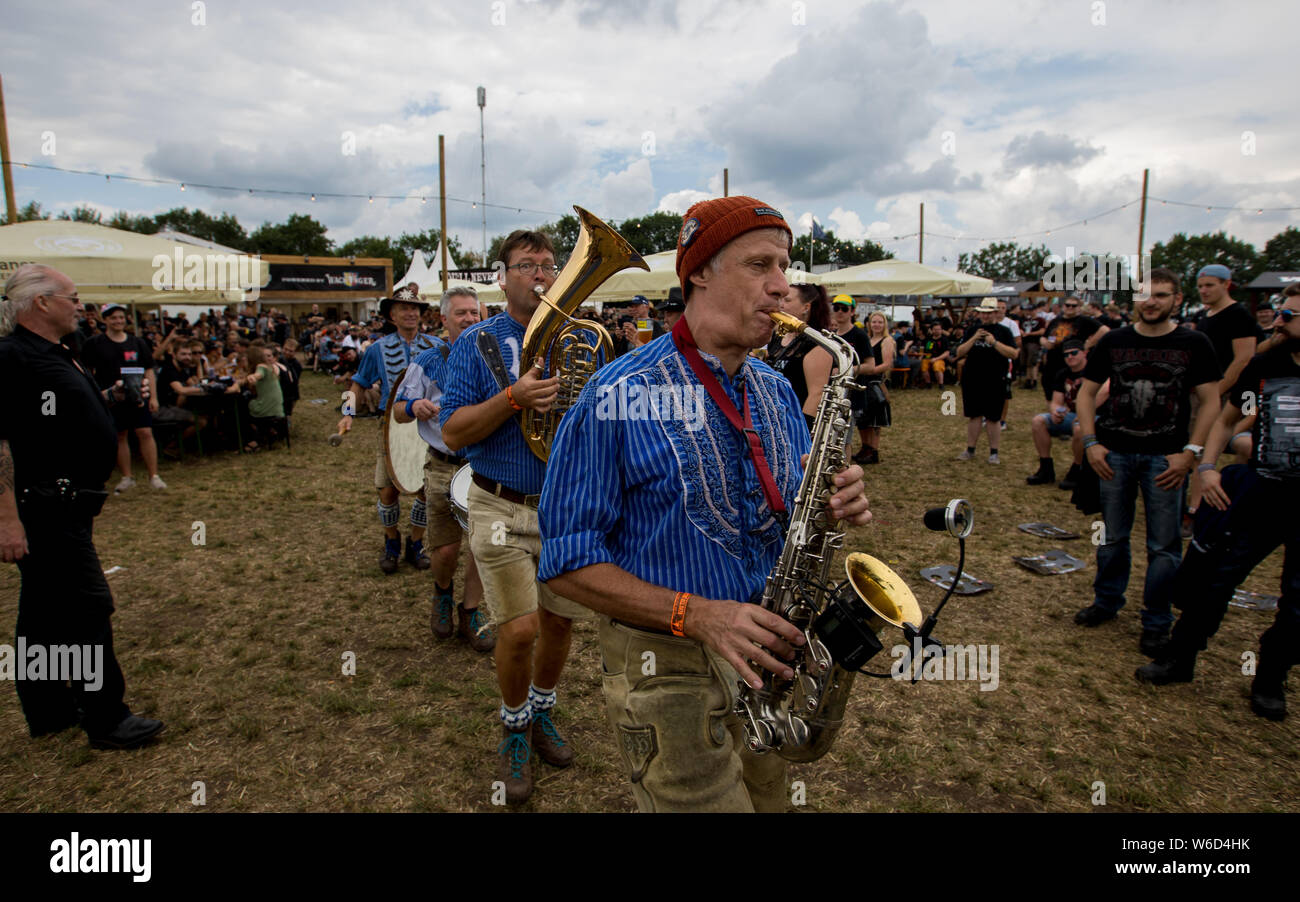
{"x": 57, "y": 447}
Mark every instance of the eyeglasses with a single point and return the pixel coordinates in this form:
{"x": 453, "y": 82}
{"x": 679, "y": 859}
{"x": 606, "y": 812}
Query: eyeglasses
{"x": 527, "y": 268}
{"x": 1286, "y": 315}
{"x": 842, "y": 308}
{"x": 1162, "y": 295}
{"x": 1070, "y": 306}
{"x": 66, "y": 297}
{"x": 1072, "y": 352}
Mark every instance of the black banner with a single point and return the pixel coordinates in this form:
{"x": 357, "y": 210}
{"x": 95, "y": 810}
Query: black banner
{"x": 367, "y": 280}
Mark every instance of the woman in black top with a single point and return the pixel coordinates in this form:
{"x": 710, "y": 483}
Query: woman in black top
{"x": 807, "y": 366}
{"x": 876, "y": 411}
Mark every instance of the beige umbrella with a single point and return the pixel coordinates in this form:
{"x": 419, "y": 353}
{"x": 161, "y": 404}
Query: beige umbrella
{"x": 111, "y": 265}
{"x": 901, "y": 277}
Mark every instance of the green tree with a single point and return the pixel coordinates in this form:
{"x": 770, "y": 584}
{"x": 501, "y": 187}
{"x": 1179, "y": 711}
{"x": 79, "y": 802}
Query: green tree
{"x": 298, "y": 235}
{"x": 224, "y": 230}
{"x": 83, "y": 214}
{"x": 1282, "y": 252}
{"x": 383, "y": 248}
{"x": 651, "y": 233}
{"x": 1006, "y": 261}
{"x": 125, "y": 221}
{"x": 32, "y": 211}
{"x": 563, "y": 233}
{"x": 830, "y": 249}
{"x": 1186, "y": 254}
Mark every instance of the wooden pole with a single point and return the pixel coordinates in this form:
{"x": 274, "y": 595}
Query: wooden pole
{"x": 920, "y": 248}
{"x": 442, "y": 204}
{"x": 725, "y": 186}
{"x": 1142, "y": 221}
{"x": 10, "y": 207}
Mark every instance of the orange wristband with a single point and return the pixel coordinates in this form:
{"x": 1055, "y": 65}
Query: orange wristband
{"x": 678, "y": 622}
{"x": 511, "y": 398}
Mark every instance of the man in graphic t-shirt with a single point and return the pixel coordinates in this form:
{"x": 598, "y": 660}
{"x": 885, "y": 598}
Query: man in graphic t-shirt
{"x": 1070, "y": 324}
{"x": 1140, "y": 442}
{"x": 1260, "y": 504}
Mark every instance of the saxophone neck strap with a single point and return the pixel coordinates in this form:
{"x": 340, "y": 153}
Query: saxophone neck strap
{"x": 685, "y": 343}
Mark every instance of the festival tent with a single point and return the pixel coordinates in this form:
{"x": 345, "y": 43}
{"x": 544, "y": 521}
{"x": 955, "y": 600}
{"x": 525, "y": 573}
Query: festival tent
{"x": 128, "y": 267}
{"x": 654, "y": 285}
{"x": 895, "y": 277}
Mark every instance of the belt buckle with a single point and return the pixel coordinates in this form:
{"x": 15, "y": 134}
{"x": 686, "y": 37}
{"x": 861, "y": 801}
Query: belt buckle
{"x": 65, "y": 489}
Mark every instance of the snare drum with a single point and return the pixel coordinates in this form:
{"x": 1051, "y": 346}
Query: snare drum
{"x": 458, "y": 495}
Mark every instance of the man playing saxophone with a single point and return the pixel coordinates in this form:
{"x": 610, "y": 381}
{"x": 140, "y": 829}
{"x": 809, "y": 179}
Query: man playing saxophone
{"x": 486, "y": 390}
{"x": 665, "y": 523}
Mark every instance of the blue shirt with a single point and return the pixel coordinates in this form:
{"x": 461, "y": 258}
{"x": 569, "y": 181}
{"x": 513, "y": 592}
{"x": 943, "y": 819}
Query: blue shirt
{"x": 647, "y": 473}
{"x": 503, "y": 456}
{"x": 387, "y": 359}
{"x": 424, "y": 380}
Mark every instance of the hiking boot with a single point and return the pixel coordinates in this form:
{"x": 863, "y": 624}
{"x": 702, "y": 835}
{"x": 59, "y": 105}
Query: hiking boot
{"x": 515, "y": 767}
{"x": 1093, "y": 615}
{"x": 474, "y": 629}
{"x": 1267, "y": 697}
{"x": 440, "y": 620}
{"x": 1071, "y": 479}
{"x": 1154, "y": 643}
{"x": 966, "y": 455}
{"x": 1167, "y": 670}
{"x": 546, "y": 739}
{"x": 415, "y": 554}
{"x": 1044, "y": 475}
{"x": 392, "y": 551}
{"x": 125, "y": 483}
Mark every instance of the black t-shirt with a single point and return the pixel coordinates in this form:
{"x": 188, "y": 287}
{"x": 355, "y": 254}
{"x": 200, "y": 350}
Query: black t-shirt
{"x": 934, "y": 347}
{"x": 106, "y": 358}
{"x": 857, "y": 336}
{"x": 1067, "y": 383}
{"x": 1222, "y": 328}
{"x": 55, "y": 421}
{"x": 170, "y": 373}
{"x": 1062, "y": 329}
{"x": 1270, "y": 386}
{"x": 983, "y": 362}
{"x": 1151, "y": 384}
{"x": 788, "y": 361}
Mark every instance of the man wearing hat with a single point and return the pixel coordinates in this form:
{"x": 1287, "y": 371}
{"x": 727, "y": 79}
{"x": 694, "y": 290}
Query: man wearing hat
{"x": 986, "y": 347}
{"x": 673, "y": 308}
{"x": 640, "y": 313}
{"x": 1060, "y": 418}
{"x": 668, "y": 524}
{"x": 385, "y": 362}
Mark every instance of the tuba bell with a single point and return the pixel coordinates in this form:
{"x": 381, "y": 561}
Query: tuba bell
{"x": 571, "y": 348}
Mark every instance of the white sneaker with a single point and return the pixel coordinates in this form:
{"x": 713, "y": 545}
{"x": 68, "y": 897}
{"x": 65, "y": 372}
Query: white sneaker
{"x": 993, "y": 458}
{"x": 965, "y": 455}
{"x": 126, "y": 483}
{"x": 156, "y": 481}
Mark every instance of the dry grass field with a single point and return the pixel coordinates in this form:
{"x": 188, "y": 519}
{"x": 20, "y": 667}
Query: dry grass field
{"x": 238, "y": 645}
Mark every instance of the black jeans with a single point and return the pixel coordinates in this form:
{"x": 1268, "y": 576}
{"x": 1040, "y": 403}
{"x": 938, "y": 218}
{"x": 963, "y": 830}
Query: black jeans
{"x": 65, "y": 600}
{"x": 1262, "y": 516}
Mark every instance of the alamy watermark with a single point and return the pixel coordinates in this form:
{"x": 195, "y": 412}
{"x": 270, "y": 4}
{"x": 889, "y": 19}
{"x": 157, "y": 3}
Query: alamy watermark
{"x": 187, "y": 271}
{"x": 61, "y": 663}
{"x": 946, "y": 662}
{"x": 1090, "y": 272}
{"x": 636, "y": 401}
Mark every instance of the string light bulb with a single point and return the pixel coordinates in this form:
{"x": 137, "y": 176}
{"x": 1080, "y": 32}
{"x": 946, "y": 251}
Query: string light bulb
{"x": 182, "y": 186}
{"x": 313, "y": 197}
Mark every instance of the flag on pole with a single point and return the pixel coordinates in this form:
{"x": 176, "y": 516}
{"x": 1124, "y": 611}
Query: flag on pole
{"x": 817, "y": 231}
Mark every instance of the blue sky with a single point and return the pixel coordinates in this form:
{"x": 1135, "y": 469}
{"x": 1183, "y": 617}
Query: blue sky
{"x": 1004, "y": 118}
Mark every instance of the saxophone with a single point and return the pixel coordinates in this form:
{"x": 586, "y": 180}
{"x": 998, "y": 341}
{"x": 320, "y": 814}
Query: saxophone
{"x": 800, "y": 717}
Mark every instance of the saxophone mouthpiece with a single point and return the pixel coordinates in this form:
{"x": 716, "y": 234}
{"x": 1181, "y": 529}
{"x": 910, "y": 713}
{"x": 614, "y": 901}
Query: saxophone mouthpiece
{"x": 538, "y": 289}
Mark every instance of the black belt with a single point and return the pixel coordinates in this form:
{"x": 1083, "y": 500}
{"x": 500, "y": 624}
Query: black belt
{"x": 81, "y": 501}
{"x": 447, "y": 458}
{"x": 493, "y": 487}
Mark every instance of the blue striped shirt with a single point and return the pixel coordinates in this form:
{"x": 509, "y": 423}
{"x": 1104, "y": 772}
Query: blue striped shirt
{"x": 423, "y": 381}
{"x": 387, "y": 359}
{"x": 647, "y": 473}
{"x": 503, "y": 456}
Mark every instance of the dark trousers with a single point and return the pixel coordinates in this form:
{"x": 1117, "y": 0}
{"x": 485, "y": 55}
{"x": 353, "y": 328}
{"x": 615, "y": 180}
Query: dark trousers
{"x": 1262, "y": 516}
{"x": 65, "y": 600}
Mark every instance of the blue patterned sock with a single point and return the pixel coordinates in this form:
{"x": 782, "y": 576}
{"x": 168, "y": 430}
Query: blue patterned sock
{"x": 541, "y": 699}
{"x": 516, "y": 718}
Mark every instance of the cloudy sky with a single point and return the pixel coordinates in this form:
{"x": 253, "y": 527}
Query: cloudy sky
{"x": 1005, "y": 118}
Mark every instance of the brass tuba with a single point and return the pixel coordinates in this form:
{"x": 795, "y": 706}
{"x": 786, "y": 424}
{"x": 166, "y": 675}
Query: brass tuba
{"x": 570, "y": 347}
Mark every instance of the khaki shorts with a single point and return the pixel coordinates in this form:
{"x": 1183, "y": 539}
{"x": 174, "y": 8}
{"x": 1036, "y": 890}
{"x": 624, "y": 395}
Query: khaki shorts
{"x": 683, "y": 747}
{"x": 506, "y": 543}
{"x": 443, "y": 528}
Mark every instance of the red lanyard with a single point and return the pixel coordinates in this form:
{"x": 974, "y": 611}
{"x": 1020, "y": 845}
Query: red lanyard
{"x": 685, "y": 343}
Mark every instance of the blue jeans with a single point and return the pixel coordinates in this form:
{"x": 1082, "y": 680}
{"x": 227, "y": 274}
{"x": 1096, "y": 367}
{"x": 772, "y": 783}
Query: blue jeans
{"x": 1163, "y": 509}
